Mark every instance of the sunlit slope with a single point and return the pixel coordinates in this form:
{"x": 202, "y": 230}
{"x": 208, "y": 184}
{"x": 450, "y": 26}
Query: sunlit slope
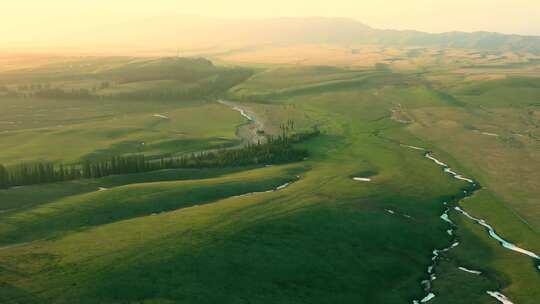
{"x": 111, "y": 205}
{"x": 161, "y": 130}
{"x": 276, "y": 86}
{"x": 282, "y": 78}
{"x": 24, "y": 198}
{"x": 484, "y": 64}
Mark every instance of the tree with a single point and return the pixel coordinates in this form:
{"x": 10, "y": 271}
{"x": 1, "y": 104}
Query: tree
{"x": 4, "y": 177}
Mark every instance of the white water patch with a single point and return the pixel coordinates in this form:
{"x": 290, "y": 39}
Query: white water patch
{"x": 283, "y": 186}
{"x": 500, "y": 297}
{"x": 494, "y": 235}
{"x": 487, "y": 133}
{"x": 393, "y": 212}
{"x": 470, "y": 270}
{"x": 450, "y": 232}
{"x": 238, "y": 109}
{"x": 427, "y": 298}
{"x": 445, "y": 217}
{"x": 362, "y": 179}
{"x": 161, "y": 116}
{"x": 448, "y": 170}
{"x": 278, "y": 188}
{"x": 438, "y": 162}
{"x": 437, "y": 252}
{"x": 102, "y": 189}
{"x": 243, "y": 113}
{"x": 456, "y": 175}
{"x": 413, "y": 147}
{"x": 251, "y": 131}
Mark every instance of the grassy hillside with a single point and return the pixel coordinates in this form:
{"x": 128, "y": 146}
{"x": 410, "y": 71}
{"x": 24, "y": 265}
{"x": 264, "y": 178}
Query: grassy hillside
{"x": 89, "y": 130}
{"x": 91, "y": 108}
{"x": 283, "y": 239}
{"x": 493, "y": 128}
{"x": 240, "y": 235}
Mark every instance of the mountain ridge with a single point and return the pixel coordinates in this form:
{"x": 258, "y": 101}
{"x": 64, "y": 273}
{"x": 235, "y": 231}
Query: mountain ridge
{"x": 186, "y": 32}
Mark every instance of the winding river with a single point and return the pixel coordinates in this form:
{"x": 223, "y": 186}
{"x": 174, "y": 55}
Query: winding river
{"x": 427, "y": 284}
{"x": 248, "y": 132}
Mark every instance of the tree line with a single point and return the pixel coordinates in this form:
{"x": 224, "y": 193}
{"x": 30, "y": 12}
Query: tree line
{"x": 276, "y": 150}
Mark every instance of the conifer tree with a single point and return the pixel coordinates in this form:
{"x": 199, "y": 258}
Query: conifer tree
{"x": 4, "y": 177}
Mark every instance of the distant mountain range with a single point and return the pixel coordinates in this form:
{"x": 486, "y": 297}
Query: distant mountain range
{"x": 345, "y": 31}
{"x": 198, "y": 32}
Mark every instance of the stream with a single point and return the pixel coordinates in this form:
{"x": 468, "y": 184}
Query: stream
{"x": 254, "y": 125}
{"x": 249, "y": 131}
{"x": 427, "y": 283}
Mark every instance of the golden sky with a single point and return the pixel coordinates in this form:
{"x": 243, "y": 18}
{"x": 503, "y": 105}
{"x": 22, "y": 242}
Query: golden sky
{"x": 23, "y": 20}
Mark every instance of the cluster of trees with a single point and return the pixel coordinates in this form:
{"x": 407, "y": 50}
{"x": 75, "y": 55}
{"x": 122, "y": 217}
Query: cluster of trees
{"x": 36, "y": 173}
{"x": 276, "y": 150}
{"x": 40, "y": 172}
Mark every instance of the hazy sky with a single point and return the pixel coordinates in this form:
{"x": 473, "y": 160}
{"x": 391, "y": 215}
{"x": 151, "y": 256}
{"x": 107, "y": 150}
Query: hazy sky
{"x": 21, "y": 19}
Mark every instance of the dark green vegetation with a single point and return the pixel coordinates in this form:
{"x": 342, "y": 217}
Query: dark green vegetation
{"x": 278, "y": 150}
{"x": 203, "y": 236}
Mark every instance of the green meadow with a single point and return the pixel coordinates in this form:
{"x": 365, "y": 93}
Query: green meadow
{"x": 237, "y": 234}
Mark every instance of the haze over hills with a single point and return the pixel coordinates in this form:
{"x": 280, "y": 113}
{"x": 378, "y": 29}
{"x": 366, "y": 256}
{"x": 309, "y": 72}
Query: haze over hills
{"x": 284, "y": 159}
{"x": 189, "y": 33}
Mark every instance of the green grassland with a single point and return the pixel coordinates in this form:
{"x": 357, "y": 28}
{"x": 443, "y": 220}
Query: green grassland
{"x": 505, "y": 164}
{"x": 119, "y": 132}
{"x": 191, "y": 236}
{"x": 283, "y": 239}
{"x": 100, "y": 122}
